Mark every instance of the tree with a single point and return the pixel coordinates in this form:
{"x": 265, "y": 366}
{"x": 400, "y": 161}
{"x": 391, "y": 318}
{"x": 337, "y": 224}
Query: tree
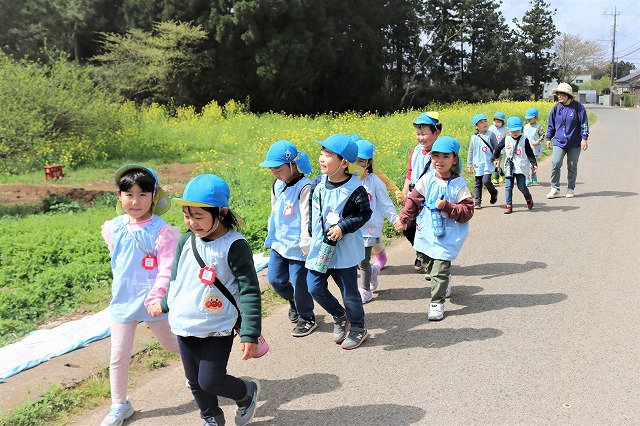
{"x": 536, "y": 34}
{"x": 575, "y": 56}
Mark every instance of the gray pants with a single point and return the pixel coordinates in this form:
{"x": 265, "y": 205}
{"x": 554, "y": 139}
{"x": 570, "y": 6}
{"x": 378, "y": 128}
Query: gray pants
{"x": 557, "y": 158}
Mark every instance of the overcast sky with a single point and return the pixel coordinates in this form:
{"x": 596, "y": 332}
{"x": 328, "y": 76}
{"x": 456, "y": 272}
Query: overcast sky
{"x": 592, "y": 20}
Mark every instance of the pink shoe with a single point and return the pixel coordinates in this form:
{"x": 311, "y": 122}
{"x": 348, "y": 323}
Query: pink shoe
{"x": 381, "y": 258}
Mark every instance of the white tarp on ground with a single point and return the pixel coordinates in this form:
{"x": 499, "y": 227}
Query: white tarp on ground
{"x": 42, "y": 345}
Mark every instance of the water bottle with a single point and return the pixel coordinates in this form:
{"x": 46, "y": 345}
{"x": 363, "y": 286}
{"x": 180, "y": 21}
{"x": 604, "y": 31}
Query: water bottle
{"x": 437, "y": 220}
{"x": 324, "y": 255}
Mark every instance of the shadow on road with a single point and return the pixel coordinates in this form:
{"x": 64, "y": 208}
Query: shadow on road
{"x": 488, "y": 271}
{"x": 616, "y": 194}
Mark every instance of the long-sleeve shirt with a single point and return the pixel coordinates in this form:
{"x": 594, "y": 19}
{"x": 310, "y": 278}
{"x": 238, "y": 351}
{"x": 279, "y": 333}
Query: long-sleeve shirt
{"x": 527, "y": 149}
{"x": 568, "y": 125}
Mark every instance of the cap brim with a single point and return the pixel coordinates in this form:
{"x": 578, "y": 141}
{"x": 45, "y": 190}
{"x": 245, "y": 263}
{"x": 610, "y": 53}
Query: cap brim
{"x": 271, "y": 163}
{"x": 122, "y": 170}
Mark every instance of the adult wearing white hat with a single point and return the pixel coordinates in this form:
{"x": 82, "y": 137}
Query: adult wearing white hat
{"x": 569, "y": 127}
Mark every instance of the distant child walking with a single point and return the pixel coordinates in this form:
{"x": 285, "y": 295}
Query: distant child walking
{"x": 214, "y": 280}
{"x": 288, "y": 232}
{"x": 519, "y": 159}
{"x": 497, "y": 128}
{"x": 381, "y": 206}
{"x": 442, "y": 206}
{"x": 142, "y": 247}
{"x": 339, "y": 207}
{"x": 480, "y": 159}
{"x": 535, "y": 133}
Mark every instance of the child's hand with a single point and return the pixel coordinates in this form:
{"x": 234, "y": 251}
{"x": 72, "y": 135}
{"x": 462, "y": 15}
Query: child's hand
{"x": 440, "y": 203}
{"x": 469, "y": 169}
{"x": 399, "y": 226}
{"x": 496, "y": 163}
{"x": 335, "y": 233}
{"x": 248, "y": 350}
{"x": 155, "y": 310}
{"x": 535, "y": 169}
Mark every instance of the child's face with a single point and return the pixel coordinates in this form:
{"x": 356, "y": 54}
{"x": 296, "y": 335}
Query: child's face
{"x": 532, "y": 121}
{"x": 497, "y": 122}
{"x": 330, "y": 163}
{"x": 482, "y": 126}
{"x": 443, "y": 162}
{"x": 136, "y": 203}
{"x": 283, "y": 172}
{"x": 363, "y": 163}
{"x": 426, "y": 137}
{"x": 515, "y": 133}
{"x": 200, "y": 222}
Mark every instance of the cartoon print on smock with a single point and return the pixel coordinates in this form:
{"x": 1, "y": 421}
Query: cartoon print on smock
{"x": 212, "y": 302}
{"x": 438, "y": 225}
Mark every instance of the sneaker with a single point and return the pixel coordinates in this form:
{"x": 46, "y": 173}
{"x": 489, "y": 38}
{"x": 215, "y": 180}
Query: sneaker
{"x": 118, "y": 414}
{"x": 357, "y": 335}
{"x": 245, "y": 413}
{"x": 365, "y": 295}
{"x": 477, "y": 206}
{"x": 501, "y": 179}
{"x": 527, "y": 182}
{"x": 508, "y": 209}
{"x": 340, "y": 328}
{"x": 494, "y": 199}
{"x": 436, "y": 311}
{"x": 293, "y": 312}
{"x": 529, "y": 203}
{"x": 570, "y": 193}
{"x": 215, "y": 420}
{"x": 417, "y": 265}
{"x": 375, "y": 272}
{"x": 427, "y": 277}
{"x": 534, "y": 180}
{"x": 304, "y": 327}
{"x": 494, "y": 181}
{"x": 553, "y": 193}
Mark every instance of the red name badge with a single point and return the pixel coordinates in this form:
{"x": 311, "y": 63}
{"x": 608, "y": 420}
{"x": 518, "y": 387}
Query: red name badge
{"x": 288, "y": 210}
{"x": 149, "y": 262}
{"x": 207, "y": 275}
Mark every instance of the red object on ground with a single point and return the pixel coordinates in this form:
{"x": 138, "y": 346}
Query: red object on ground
{"x": 53, "y": 171}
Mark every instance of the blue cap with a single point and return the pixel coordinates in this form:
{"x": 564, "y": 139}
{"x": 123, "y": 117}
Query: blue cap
{"x": 354, "y": 137}
{"x": 205, "y": 191}
{"x": 445, "y": 144}
{"x": 423, "y": 119}
{"x": 531, "y": 113}
{"x": 478, "y": 117}
{"x": 285, "y": 152}
{"x": 161, "y": 203}
{"x": 500, "y": 115}
{"x": 342, "y": 145}
{"x": 365, "y": 149}
{"x": 514, "y": 124}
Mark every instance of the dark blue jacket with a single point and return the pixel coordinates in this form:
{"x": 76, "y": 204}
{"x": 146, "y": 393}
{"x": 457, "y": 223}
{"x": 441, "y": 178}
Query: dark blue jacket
{"x": 568, "y": 125}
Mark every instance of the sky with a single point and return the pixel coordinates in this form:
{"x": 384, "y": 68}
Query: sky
{"x": 592, "y": 20}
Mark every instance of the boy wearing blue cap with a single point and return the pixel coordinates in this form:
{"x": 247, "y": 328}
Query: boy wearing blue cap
{"x": 497, "y": 128}
{"x": 480, "y": 159}
{"x": 535, "y": 133}
{"x": 339, "y": 207}
{"x": 213, "y": 294}
{"x": 442, "y": 226}
{"x": 288, "y": 232}
{"x": 428, "y": 128}
{"x": 381, "y": 206}
{"x": 519, "y": 159}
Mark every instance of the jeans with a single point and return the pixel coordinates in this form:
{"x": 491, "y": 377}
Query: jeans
{"x": 522, "y": 186}
{"x": 281, "y": 273}
{"x": 205, "y": 366}
{"x": 347, "y": 281}
{"x": 557, "y": 157}
{"x": 477, "y": 188}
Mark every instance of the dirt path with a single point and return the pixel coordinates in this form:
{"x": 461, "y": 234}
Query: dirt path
{"x": 173, "y": 177}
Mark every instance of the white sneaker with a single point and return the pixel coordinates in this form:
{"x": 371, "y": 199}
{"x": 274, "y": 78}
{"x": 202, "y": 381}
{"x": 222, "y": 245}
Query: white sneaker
{"x": 365, "y": 295}
{"x": 375, "y": 271}
{"x": 118, "y": 414}
{"x": 553, "y": 193}
{"x": 447, "y": 294}
{"x": 570, "y": 193}
{"x": 436, "y": 311}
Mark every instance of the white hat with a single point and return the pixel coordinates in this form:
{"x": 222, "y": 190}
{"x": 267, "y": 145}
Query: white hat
{"x": 563, "y": 88}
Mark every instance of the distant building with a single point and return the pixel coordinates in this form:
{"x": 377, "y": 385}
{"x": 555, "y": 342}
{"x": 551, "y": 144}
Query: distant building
{"x": 629, "y": 83}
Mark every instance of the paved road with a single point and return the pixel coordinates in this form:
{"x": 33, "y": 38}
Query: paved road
{"x": 542, "y": 327}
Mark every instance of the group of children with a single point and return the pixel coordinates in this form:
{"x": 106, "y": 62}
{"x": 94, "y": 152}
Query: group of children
{"x": 205, "y": 280}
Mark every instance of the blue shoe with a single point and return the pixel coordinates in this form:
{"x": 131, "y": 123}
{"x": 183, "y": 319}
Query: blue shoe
{"x": 244, "y": 414}
{"x": 118, "y": 414}
{"x": 215, "y": 420}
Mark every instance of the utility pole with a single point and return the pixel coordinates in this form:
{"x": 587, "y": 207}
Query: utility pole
{"x": 613, "y": 42}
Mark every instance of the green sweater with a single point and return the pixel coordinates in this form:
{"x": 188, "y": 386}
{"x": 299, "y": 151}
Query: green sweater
{"x": 240, "y": 259}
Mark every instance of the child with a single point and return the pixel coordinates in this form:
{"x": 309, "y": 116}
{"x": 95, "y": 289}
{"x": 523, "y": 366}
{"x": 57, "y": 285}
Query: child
{"x": 381, "y": 206}
{"x": 517, "y": 162}
{"x": 288, "y": 233}
{"x": 446, "y": 191}
{"x": 339, "y": 207}
{"x": 480, "y": 159}
{"x": 497, "y": 128}
{"x": 427, "y": 131}
{"x": 142, "y": 247}
{"x": 216, "y": 260}
{"x": 381, "y": 254}
{"x": 535, "y": 133}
